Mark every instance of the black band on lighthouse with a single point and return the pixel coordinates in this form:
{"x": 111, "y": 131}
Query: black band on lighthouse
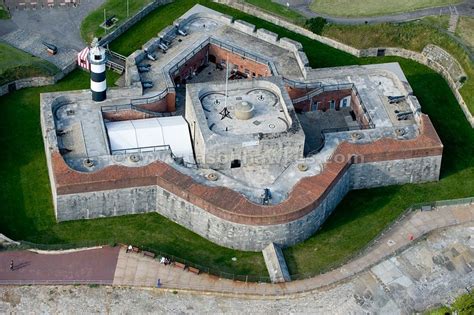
{"x": 98, "y": 77}
{"x": 99, "y": 96}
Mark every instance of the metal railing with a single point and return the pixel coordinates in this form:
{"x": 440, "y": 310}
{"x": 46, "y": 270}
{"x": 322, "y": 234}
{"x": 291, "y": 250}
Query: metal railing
{"x": 115, "y": 66}
{"x": 152, "y": 99}
{"x": 322, "y": 89}
{"x": 227, "y": 46}
{"x": 163, "y": 147}
{"x": 301, "y": 85}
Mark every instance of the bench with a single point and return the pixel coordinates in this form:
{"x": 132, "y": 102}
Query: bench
{"x": 194, "y": 270}
{"x": 179, "y": 265}
{"x": 149, "y": 254}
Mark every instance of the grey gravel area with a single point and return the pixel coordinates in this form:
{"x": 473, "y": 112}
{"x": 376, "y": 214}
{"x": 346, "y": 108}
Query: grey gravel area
{"x": 433, "y": 271}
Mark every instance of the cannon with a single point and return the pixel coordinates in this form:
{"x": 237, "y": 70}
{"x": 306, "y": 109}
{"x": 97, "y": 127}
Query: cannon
{"x": 403, "y": 115}
{"x": 163, "y": 46}
{"x": 151, "y": 57}
{"x": 182, "y": 32}
{"x": 52, "y": 49}
{"x": 143, "y": 69}
{"x": 395, "y": 99}
{"x": 110, "y": 21}
{"x": 147, "y": 84}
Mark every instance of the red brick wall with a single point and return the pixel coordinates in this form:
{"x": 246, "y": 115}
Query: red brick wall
{"x": 166, "y": 104}
{"x": 242, "y": 62}
{"x": 358, "y": 111}
{"x": 124, "y": 115}
{"x": 324, "y": 98}
{"x": 191, "y": 65}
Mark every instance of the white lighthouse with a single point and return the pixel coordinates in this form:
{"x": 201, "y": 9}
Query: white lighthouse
{"x": 97, "y": 61}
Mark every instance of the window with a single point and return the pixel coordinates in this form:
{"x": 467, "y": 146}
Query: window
{"x": 344, "y": 103}
{"x": 235, "y": 164}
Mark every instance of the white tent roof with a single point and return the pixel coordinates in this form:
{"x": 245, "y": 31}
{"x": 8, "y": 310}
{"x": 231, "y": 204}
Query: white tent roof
{"x": 148, "y": 134}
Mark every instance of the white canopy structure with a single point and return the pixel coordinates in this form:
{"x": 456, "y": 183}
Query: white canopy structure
{"x": 151, "y": 134}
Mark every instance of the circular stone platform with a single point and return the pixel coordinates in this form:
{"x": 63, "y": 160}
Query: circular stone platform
{"x": 267, "y": 113}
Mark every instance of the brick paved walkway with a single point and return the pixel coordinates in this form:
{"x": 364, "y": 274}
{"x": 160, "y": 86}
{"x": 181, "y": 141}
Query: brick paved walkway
{"x": 85, "y": 266}
{"x": 136, "y": 270}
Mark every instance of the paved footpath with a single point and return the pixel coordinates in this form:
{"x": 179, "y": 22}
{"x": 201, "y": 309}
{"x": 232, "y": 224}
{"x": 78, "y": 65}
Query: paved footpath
{"x": 432, "y": 271}
{"x": 114, "y": 266}
{"x": 95, "y": 265}
{"x": 465, "y": 8}
{"x": 137, "y": 270}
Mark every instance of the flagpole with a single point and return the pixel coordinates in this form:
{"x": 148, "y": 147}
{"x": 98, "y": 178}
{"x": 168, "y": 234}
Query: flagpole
{"x": 226, "y": 81}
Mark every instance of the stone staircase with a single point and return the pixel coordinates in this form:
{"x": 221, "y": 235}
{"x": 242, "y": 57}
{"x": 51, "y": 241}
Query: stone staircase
{"x": 276, "y": 264}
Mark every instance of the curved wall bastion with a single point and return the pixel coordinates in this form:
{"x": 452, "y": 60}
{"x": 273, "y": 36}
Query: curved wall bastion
{"x": 275, "y": 144}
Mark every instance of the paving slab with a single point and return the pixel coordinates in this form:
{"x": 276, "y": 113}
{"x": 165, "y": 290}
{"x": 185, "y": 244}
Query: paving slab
{"x": 82, "y": 266}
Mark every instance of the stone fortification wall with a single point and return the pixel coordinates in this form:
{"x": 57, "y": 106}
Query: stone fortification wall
{"x": 225, "y": 216}
{"x": 237, "y": 235}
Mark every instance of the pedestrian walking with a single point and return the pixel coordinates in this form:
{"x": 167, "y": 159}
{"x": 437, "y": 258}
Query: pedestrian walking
{"x": 11, "y": 265}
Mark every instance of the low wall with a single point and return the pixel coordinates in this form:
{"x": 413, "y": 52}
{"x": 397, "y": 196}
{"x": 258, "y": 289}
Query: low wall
{"x": 371, "y": 52}
{"x": 35, "y": 81}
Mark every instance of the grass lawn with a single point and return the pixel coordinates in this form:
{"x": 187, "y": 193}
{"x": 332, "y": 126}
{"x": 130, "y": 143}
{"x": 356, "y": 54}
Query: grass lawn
{"x": 358, "y": 8}
{"x": 16, "y": 64}
{"x": 463, "y": 305}
{"x": 280, "y": 10}
{"x": 90, "y": 26}
{"x": 4, "y": 15}
{"x": 27, "y": 212}
{"x": 465, "y": 29}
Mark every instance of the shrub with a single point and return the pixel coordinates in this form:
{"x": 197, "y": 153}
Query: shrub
{"x": 316, "y": 24}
